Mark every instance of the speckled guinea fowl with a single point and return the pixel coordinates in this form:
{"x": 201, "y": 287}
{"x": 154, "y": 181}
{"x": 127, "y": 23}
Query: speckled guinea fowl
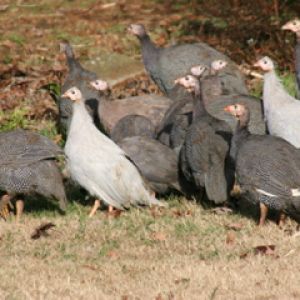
{"x": 267, "y": 167}
{"x": 281, "y": 110}
{"x": 77, "y": 76}
{"x": 205, "y": 152}
{"x": 101, "y": 166}
{"x": 164, "y": 65}
{"x": 156, "y": 162}
{"x": 27, "y": 165}
{"x": 132, "y": 125}
{"x": 151, "y": 106}
{"x": 294, "y": 26}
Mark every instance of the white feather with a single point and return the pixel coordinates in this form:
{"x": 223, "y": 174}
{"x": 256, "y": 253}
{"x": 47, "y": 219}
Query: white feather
{"x": 100, "y": 166}
{"x": 282, "y": 111}
{"x": 265, "y": 193}
{"x": 295, "y": 192}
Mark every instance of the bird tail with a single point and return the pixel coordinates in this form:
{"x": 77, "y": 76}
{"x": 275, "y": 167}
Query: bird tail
{"x": 216, "y": 185}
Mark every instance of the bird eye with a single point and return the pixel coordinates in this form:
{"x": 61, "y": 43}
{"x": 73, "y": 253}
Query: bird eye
{"x": 73, "y": 92}
{"x": 265, "y": 62}
{"x": 186, "y": 77}
{"x": 295, "y": 23}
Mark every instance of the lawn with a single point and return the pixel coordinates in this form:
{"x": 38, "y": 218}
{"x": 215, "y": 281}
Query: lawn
{"x": 187, "y": 251}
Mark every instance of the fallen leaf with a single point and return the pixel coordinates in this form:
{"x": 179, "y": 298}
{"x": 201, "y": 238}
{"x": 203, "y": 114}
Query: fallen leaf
{"x": 112, "y": 254}
{"x": 182, "y": 213}
{"x": 265, "y": 250}
{"x": 3, "y": 7}
{"x": 158, "y": 236}
{"x": 234, "y": 226}
{"x": 230, "y": 238}
{"x": 42, "y": 230}
{"x": 90, "y": 267}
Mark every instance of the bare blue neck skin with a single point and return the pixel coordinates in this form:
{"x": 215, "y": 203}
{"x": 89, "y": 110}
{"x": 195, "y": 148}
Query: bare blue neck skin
{"x": 149, "y": 51}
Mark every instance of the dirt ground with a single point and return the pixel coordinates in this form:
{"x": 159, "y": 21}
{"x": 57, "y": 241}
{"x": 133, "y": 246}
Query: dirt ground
{"x": 184, "y": 252}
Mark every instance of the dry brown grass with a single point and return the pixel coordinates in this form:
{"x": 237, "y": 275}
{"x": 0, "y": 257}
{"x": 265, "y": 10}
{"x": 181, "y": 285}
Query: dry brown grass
{"x": 185, "y": 252}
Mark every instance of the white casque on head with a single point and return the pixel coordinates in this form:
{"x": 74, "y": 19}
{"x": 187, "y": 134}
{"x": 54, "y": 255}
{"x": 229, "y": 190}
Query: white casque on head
{"x": 198, "y": 70}
{"x": 218, "y": 65}
{"x": 137, "y": 29}
{"x": 293, "y": 25}
{"x": 99, "y": 85}
{"x": 189, "y": 82}
{"x": 73, "y": 94}
{"x": 265, "y": 63}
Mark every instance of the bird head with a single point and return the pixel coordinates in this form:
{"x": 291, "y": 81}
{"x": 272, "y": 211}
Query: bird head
{"x": 218, "y": 64}
{"x": 237, "y": 110}
{"x": 99, "y": 85}
{"x": 293, "y": 26}
{"x": 189, "y": 82}
{"x": 265, "y": 63}
{"x": 198, "y": 70}
{"x": 73, "y": 94}
{"x": 137, "y": 30}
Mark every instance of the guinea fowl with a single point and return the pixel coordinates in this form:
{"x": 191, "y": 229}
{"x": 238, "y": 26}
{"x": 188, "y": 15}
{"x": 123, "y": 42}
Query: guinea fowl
{"x": 27, "y": 166}
{"x": 156, "y": 162}
{"x": 101, "y": 166}
{"x": 294, "y": 26}
{"x": 77, "y": 76}
{"x": 204, "y": 154}
{"x": 267, "y": 167}
{"x": 282, "y": 111}
{"x": 164, "y": 65}
{"x": 132, "y": 125}
{"x": 152, "y": 106}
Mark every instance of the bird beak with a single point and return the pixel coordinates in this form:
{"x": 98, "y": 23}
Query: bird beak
{"x": 286, "y": 27}
{"x": 227, "y": 108}
{"x": 256, "y": 64}
{"x": 65, "y": 95}
{"x": 177, "y": 81}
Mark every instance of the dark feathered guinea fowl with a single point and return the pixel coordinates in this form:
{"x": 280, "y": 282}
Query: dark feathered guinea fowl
{"x": 156, "y": 162}
{"x": 164, "y": 65}
{"x": 179, "y": 115}
{"x": 153, "y": 107}
{"x": 205, "y": 152}
{"x": 27, "y": 165}
{"x": 294, "y": 26}
{"x": 132, "y": 125}
{"x": 267, "y": 167}
{"x": 80, "y": 77}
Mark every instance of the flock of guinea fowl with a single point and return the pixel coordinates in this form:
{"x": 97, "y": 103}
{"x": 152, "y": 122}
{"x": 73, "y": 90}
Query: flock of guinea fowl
{"x": 210, "y": 141}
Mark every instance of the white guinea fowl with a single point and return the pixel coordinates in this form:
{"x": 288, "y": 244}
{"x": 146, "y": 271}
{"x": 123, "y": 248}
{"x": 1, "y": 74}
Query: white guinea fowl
{"x": 99, "y": 165}
{"x": 281, "y": 110}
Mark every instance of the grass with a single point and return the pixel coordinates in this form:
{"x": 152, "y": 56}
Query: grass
{"x": 184, "y": 252}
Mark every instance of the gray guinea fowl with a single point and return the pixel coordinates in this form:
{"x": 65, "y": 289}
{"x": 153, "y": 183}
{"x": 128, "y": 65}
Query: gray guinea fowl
{"x": 267, "y": 168}
{"x": 27, "y": 165}
{"x": 156, "y": 162}
{"x": 281, "y": 110}
{"x": 76, "y": 76}
{"x": 204, "y": 156}
{"x": 152, "y": 107}
{"x": 101, "y": 166}
{"x": 164, "y": 65}
{"x": 132, "y": 125}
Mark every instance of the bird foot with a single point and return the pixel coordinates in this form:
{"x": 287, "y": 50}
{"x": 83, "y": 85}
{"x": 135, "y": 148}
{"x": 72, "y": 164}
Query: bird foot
{"x": 19, "y": 209}
{"x": 97, "y": 204}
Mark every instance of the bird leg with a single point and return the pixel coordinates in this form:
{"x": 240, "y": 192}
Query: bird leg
{"x": 5, "y": 204}
{"x": 19, "y": 209}
{"x": 110, "y": 209}
{"x": 282, "y": 218}
{"x": 95, "y": 207}
{"x": 263, "y": 214}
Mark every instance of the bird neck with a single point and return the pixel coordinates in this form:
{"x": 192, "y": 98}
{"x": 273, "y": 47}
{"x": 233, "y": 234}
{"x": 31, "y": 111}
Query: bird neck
{"x": 240, "y": 135}
{"x": 149, "y": 51}
{"x": 73, "y": 64}
{"x": 199, "y": 108}
{"x": 297, "y": 55}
